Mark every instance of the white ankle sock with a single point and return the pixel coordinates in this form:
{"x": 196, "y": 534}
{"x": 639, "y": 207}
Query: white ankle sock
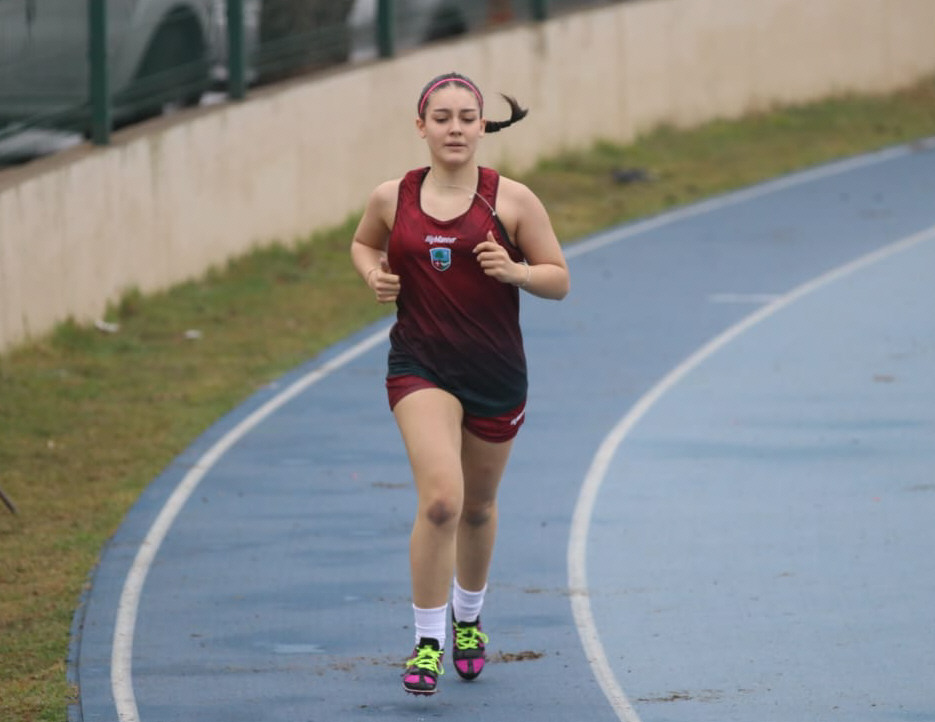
{"x": 431, "y": 623}
{"x": 466, "y": 605}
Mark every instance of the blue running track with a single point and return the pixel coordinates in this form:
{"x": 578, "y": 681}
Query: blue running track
{"x": 721, "y": 507}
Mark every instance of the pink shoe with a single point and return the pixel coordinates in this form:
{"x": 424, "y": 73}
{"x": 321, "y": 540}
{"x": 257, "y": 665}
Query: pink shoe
{"x": 468, "y": 649}
{"x": 424, "y": 668}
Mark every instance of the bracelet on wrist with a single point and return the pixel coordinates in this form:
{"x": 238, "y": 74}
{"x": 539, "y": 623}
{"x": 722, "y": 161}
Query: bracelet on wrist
{"x": 528, "y": 273}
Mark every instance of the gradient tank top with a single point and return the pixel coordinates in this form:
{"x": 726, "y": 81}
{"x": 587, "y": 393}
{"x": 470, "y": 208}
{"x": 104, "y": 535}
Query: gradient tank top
{"x": 454, "y": 325}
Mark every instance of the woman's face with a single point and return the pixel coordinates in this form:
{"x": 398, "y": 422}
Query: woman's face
{"x": 452, "y": 124}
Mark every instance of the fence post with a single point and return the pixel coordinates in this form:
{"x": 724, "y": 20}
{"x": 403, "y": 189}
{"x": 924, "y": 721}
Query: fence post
{"x": 385, "y": 39}
{"x": 540, "y": 9}
{"x": 236, "y": 51}
{"x": 100, "y": 84}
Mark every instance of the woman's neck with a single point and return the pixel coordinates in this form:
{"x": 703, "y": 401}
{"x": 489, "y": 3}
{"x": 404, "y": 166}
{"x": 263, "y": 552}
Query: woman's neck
{"x": 462, "y": 177}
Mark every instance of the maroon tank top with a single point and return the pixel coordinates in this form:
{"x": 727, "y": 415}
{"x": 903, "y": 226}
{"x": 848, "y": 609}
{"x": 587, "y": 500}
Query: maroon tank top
{"x": 454, "y": 325}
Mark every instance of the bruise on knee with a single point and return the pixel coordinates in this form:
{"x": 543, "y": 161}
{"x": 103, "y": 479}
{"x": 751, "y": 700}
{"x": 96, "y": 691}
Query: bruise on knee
{"x": 477, "y": 516}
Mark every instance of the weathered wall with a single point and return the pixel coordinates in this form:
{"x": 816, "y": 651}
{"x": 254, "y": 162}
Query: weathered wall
{"x": 174, "y": 197}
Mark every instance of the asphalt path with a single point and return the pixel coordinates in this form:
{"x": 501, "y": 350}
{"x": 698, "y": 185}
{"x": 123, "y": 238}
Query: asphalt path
{"x": 720, "y": 506}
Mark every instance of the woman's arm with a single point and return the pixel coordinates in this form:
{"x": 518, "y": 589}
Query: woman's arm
{"x": 547, "y": 273}
{"x": 368, "y": 247}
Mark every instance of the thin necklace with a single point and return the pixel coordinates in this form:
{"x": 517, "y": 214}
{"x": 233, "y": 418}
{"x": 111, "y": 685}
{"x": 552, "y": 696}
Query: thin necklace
{"x": 474, "y": 194}
{"x": 471, "y": 193}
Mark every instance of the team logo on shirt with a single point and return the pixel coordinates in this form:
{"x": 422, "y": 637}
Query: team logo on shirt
{"x": 441, "y": 258}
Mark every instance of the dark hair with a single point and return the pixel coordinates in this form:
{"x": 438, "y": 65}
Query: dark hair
{"x": 448, "y": 79}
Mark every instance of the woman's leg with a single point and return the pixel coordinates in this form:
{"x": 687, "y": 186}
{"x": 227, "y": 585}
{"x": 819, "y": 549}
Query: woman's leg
{"x": 430, "y": 423}
{"x": 483, "y": 464}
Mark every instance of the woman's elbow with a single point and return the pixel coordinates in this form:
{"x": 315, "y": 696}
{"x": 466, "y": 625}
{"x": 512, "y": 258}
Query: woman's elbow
{"x": 562, "y": 289}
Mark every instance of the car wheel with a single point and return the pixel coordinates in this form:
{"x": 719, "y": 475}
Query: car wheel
{"x": 174, "y": 70}
{"x": 298, "y": 36}
{"x": 447, "y": 22}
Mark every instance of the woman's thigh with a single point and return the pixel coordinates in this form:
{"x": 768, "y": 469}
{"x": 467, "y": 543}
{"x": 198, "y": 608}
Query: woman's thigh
{"x": 429, "y": 421}
{"x": 483, "y": 463}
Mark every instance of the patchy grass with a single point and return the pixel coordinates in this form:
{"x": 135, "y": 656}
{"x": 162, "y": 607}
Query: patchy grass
{"x": 685, "y": 166}
{"x": 88, "y": 418}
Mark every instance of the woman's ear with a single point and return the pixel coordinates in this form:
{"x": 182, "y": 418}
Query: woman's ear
{"x": 483, "y": 126}
{"x": 420, "y": 126}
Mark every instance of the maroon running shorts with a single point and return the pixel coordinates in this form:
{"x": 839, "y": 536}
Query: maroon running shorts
{"x": 495, "y": 429}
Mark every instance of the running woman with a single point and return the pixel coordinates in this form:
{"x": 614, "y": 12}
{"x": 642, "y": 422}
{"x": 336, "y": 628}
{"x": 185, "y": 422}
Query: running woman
{"x": 452, "y": 244}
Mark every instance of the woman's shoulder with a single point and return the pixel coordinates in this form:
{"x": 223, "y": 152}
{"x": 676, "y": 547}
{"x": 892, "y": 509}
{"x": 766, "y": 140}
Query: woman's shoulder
{"x": 388, "y": 186}
{"x": 509, "y": 185}
{"x": 514, "y": 191}
{"x": 389, "y": 190}
{"x": 386, "y": 192}
{"x": 382, "y": 201}
{"x": 512, "y": 186}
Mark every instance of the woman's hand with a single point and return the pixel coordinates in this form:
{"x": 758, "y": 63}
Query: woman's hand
{"x": 383, "y": 281}
{"x": 496, "y": 262}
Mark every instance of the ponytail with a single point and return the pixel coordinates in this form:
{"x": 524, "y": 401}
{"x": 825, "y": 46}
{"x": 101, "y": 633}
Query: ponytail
{"x": 516, "y": 114}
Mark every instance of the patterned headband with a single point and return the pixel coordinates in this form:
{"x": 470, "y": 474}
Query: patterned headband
{"x": 466, "y": 83}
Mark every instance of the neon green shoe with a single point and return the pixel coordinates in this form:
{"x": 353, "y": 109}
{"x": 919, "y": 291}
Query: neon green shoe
{"x": 424, "y": 668}
{"x": 468, "y": 651}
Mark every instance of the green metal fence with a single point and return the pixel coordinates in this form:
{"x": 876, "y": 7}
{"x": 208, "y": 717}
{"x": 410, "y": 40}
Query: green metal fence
{"x": 58, "y": 58}
{"x": 89, "y": 66}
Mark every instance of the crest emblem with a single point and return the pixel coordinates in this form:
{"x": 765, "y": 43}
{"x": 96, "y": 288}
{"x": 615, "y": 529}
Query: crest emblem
{"x": 441, "y": 258}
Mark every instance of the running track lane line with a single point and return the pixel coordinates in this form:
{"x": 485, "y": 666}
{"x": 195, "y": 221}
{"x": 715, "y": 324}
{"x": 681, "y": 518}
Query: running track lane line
{"x": 581, "y": 519}
{"x": 121, "y": 675}
{"x": 121, "y": 671}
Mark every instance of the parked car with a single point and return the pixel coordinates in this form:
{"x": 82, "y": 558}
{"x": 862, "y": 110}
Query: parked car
{"x": 286, "y": 37}
{"x": 163, "y": 52}
{"x": 159, "y": 52}
{"x": 416, "y": 22}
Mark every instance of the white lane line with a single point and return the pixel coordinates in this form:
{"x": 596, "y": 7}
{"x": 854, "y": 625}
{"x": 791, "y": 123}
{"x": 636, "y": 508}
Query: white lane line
{"x": 125, "y": 625}
{"x": 581, "y": 519}
{"x": 584, "y": 508}
{"x": 121, "y": 673}
{"x": 741, "y": 298}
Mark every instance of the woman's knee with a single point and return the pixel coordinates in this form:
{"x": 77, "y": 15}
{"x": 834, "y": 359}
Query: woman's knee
{"x": 478, "y": 514}
{"x": 442, "y": 505}
{"x": 442, "y": 512}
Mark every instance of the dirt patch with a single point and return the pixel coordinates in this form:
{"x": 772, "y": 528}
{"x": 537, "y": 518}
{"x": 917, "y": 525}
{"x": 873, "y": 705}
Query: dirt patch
{"x": 705, "y": 695}
{"x": 525, "y": 656}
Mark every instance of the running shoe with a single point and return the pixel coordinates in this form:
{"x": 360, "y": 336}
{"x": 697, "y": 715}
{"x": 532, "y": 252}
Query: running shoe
{"x": 424, "y": 668}
{"x": 468, "y": 649}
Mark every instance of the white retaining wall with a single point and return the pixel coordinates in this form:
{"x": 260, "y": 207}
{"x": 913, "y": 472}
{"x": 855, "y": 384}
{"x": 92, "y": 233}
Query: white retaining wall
{"x": 173, "y": 197}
